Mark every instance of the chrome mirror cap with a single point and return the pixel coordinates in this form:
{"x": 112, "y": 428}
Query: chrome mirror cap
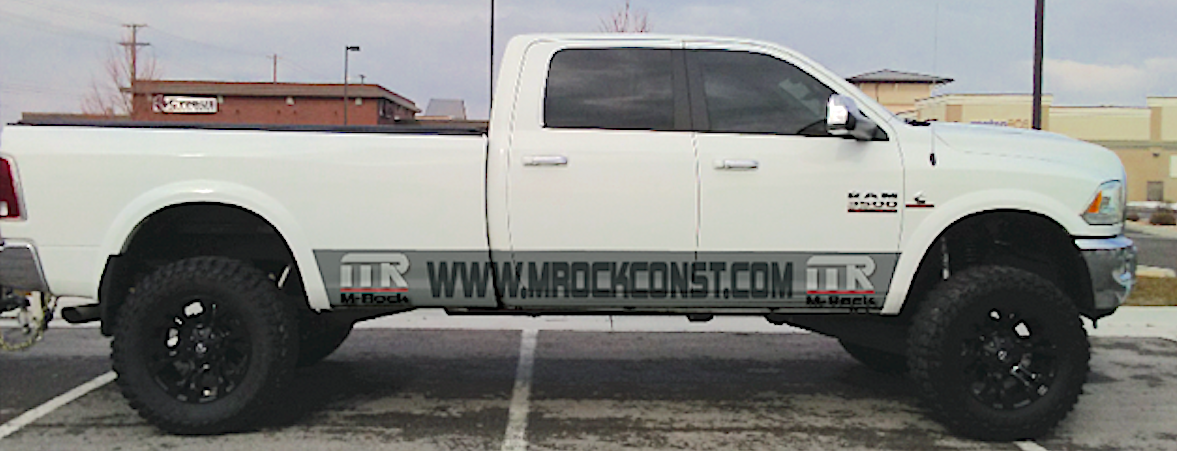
{"x": 843, "y": 118}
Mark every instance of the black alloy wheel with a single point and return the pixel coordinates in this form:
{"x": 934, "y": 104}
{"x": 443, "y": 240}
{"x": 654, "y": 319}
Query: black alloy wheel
{"x": 204, "y": 346}
{"x": 998, "y": 353}
{"x": 1008, "y": 357}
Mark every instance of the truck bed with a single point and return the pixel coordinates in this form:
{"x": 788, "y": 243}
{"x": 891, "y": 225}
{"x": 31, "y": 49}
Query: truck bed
{"x": 461, "y": 128}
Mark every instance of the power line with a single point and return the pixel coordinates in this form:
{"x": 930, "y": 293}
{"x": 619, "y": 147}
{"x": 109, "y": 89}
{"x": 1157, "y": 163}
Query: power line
{"x": 74, "y": 11}
{"x": 210, "y": 45}
{"x": 268, "y": 56}
{"x": 47, "y": 27}
{"x": 75, "y": 33}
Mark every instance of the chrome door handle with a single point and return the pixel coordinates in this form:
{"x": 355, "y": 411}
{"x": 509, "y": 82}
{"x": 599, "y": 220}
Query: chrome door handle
{"x": 736, "y": 164}
{"x": 545, "y": 160}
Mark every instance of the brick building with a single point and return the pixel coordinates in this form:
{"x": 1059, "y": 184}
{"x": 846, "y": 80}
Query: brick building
{"x": 268, "y": 103}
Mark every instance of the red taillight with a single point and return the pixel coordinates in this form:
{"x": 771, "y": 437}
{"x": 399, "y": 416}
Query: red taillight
{"x": 9, "y": 202}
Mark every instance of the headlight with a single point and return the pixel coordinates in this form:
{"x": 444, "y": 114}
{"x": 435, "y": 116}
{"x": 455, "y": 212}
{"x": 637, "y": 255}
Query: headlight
{"x": 1108, "y": 206}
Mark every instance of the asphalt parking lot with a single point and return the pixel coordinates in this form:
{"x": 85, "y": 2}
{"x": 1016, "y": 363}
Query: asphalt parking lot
{"x": 460, "y": 389}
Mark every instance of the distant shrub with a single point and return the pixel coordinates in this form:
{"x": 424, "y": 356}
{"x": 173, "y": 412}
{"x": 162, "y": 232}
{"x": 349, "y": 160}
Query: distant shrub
{"x": 1133, "y": 216}
{"x": 1163, "y": 216}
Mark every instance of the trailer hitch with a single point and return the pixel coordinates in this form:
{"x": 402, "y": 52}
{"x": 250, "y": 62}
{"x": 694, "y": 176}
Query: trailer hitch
{"x": 24, "y": 318}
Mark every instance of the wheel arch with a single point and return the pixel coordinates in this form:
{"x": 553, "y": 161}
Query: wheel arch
{"x": 1050, "y": 240}
{"x": 239, "y": 204}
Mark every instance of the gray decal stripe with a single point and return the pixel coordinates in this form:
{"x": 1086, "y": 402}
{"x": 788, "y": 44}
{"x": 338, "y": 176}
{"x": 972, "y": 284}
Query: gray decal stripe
{"x": 679, "y": 279}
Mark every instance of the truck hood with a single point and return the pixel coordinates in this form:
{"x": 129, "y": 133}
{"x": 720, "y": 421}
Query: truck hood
{"x": 1031, "y": 144}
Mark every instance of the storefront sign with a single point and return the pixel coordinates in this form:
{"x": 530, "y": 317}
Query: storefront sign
{"x": 183, "y": 105}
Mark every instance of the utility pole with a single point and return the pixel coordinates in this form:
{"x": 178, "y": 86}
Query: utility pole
{"x": 362, "y": 76}
{"x": 346, "y": 51}
{"x": 1039, "y": 34}
{"x": 275, "y": 58}
{"x": 491, "y": 98}
{"x": 134, "y": 45}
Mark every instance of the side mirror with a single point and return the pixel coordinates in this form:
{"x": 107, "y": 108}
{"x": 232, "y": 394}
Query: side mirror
{"x": 843, "y": 118}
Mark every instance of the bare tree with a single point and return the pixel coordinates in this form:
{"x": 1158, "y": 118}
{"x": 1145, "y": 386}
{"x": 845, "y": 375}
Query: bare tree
{"x": 110, "y": 94}
{"x": 626, "y": 20}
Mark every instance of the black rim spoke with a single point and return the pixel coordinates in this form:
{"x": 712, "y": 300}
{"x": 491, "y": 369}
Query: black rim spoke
{"x": 1009, "y": 362}
{"x": 201, "y": 351}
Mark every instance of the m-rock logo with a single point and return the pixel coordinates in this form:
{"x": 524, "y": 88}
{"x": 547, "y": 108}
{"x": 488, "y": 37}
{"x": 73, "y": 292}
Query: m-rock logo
{"x": 356, "y": 285}
{"x": 846, "y": 282}
{"x": 794, "y": 280}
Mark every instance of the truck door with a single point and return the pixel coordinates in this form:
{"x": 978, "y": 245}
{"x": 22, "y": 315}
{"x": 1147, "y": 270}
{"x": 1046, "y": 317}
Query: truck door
{"x": 601, "y": 192}
{"x": 775, "y": 187}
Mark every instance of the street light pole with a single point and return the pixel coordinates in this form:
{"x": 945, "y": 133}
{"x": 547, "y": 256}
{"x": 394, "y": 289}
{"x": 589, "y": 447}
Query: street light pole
{"x": 346, "y": 51}
{"x": 1039, "y": 32}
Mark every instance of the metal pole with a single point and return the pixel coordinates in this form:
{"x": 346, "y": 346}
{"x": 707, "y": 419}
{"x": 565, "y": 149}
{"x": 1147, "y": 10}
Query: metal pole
{"x": 346, "y": 51}
{"x": 491, "y": 78}
{"x": 1039, "y": 14}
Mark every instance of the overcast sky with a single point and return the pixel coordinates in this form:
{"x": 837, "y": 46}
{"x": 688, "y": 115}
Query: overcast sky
{"x": 1099, "y": 52}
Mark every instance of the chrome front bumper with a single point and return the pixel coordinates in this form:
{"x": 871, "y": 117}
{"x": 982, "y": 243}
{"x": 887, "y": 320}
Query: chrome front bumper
{"x": 20, "y": 268}
{"x": 1111, "y": 263}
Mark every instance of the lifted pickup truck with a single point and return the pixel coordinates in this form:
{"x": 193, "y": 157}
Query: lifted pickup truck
{"x": 620, "y": 174}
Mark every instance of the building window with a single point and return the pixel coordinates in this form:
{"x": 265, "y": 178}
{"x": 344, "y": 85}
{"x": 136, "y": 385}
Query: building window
{"x": 1156, "y": 191}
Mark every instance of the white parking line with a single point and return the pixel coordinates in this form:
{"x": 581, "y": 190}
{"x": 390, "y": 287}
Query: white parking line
{"x": 516, "y": 439}
{"x": 1030, "y": 446}
{"x": 24, "y": 419}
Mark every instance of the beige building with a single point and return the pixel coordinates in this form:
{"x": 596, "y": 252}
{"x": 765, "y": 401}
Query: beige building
{"x": 898, "y": 91}
{"x": 1145, "y": 138}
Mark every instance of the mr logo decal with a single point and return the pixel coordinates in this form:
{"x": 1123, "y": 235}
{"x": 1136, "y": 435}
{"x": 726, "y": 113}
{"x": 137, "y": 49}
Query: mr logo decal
{"x": 846, "y": 282}
{"x": 356, "y": 285}
{"x": 872, "y": 202}
{"x": 398, "y": 279}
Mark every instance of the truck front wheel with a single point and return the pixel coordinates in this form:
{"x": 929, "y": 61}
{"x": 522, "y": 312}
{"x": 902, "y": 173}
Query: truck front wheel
{"x": 998, "y": 353}
{"x": 203, "y": 345}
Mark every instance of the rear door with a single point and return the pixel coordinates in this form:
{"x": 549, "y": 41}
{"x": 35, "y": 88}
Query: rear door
{"x": 601, "y": 175}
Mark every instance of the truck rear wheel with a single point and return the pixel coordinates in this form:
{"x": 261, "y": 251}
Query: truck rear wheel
{"x": 203, "y": 345}
{"x": 881, "y": 361}
{"x": 999, "y": 353}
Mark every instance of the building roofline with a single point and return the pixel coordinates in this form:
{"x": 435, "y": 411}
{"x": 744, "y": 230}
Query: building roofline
{"x": 895, "y": 76}
{"x": 264, "y": 89}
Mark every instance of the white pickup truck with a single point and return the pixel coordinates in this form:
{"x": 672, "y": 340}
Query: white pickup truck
{"x": 620, "y": 174}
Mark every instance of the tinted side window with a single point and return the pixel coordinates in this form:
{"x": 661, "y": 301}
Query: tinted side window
{"x": 755, "y": 93}
{"x": 624, "y": 89}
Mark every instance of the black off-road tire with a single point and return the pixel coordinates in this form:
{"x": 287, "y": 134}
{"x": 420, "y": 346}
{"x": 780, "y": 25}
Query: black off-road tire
{"x": 251, "y": 332}
{"x": 319, "y": 336}
{"x": 881, "y": 361}
{"x": 959, "y": 341}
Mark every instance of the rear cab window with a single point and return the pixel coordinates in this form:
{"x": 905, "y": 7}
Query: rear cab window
{"x": 615, "y": 88}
